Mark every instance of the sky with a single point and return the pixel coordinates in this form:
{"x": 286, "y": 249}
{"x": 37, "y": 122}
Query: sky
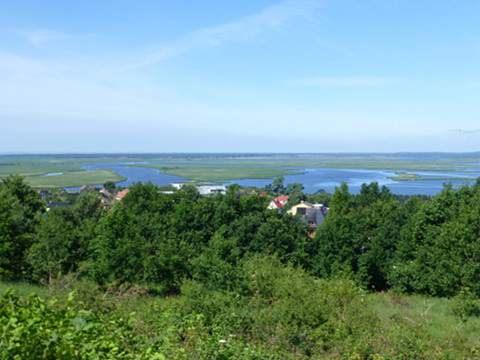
{"x": 239, "y": 76}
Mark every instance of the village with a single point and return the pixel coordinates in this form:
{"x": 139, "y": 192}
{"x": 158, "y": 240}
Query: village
{"x": 311, "y": 213}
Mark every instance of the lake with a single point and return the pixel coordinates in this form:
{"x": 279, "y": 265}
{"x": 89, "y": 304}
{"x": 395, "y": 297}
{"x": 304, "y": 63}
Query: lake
{"x": 136, "y": 174}
{"x": 312, "y": 179}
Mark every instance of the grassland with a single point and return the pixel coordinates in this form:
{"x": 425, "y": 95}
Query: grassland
{"x": 417, "y": 177}
{"x": 219, "y": 173}
{"x": 223, "y": 167}
{"x": 227, "y": 167}
{"x": 68, "y": 167}
{"x": 432, "y": 315}
{"x": 73, "y": 178}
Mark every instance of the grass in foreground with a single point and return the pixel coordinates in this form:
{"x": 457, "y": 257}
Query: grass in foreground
{"x": 287, "y": 316}
{"x": 433, "y": 316}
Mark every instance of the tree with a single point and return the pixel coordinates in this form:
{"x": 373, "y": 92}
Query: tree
{"x": 110, "y": 186}
{"x": 360, "y": 235}
{"x": 440, "y": 255}
{"x": 277, "y": 186}
{"x": 20, "y": 210}
{"x": 63, "y": 238}
{"x": 55, "y": 251}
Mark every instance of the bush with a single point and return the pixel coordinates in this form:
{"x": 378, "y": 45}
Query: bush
{"x": 465, "y": 304}
{"x": 284, "y": 308}
{"x": 35, "y": 329}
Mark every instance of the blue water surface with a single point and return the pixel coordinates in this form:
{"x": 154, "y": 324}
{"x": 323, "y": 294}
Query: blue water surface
{"x": 313, "y": 180}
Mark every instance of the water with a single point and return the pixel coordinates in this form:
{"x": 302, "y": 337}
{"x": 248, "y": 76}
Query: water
{"x": 137, "y": 174}
{"x": 326, "y": 179}
{"x": 312, "y": 179}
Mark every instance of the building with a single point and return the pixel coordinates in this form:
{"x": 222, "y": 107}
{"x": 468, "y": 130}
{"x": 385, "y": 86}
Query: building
{"x": 121, "y": 194}
{"x": 177, "y": 186}
{"x": 278, "y": 203}
{"x": 302, "y": 207}
{"x": 107, "y": 197}
{"x": 211, "y": 189}
{"x": 313, "y": 214}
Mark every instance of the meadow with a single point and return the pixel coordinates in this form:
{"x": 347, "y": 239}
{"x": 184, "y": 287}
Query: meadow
{"x": 73, "y": 179}
{"x": 380, "y": 325}
{"x": 224, "y": 167}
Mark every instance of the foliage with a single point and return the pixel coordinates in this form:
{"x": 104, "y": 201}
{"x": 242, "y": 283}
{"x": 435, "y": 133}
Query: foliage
{"x": 20, "y": 209}
{"x": 439, "y": 254}
{"x": 359, "y": 235}
{"x": 237, "y": 281}
{"x": 465, "y": 304}
{"x": 63, "y": 238}
{"x": 157, "y": 238}
{"x": 35, "y": 329}
{"x": 273, "y": 311}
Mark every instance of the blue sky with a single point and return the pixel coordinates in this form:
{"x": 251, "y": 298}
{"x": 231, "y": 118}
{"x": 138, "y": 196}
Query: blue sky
{"x": 254, "y": 76}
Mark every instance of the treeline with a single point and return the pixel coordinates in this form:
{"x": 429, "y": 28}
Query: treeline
{"x": 149, "y": 238}
{"x": 428, "y": 246}
{"x": 419, "y": 245}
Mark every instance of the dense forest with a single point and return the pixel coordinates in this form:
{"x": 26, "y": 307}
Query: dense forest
{"x": 242, "y": 281}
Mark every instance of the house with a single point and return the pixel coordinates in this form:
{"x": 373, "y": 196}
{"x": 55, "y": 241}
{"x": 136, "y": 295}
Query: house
{"x": 121, "y": 194}
{"x": 302, "y": 207}
{"x": 177, "y": 186}
{"x": 107, "y": 197}
{"x": 278, "y": 203}
{"x": 314, "y": 217}
{"x": 313, "y": 214}
{"x": 211, "y": 189}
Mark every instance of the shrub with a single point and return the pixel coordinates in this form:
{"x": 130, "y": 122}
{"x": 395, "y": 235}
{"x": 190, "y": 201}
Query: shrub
{"x": 465, "y": 304}
{"x": 35, "y": 329}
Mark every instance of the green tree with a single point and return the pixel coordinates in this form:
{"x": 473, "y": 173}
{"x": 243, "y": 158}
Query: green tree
{"x": 63, "y": 238}
{"x": 277, "y": 186}
{"x": 110, "y": 186}
{"x": 20, "y": 210}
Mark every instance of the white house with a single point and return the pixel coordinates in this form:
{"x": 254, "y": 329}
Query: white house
{"x": 211, "y": 189}
{"x": 278, "y": 203}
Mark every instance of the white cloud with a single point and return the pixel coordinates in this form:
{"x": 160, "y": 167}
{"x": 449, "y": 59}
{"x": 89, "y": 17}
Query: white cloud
{"x": 269, "y": 19}
{"x": 349, "y": 81}
{"x": 39, "y": 38}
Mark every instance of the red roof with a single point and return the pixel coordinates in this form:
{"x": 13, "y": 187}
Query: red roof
{"x": 280, "y": 201}
{"x": 278, "y": 204}
{"x": 281, "y": 198}
{"x": 122, "y": 194}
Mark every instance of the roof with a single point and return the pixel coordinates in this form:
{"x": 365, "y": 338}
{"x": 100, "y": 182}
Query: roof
{"x": 282, "y": 198}
{"x": 278, "y": 204}
{"x": 122, "y": 194}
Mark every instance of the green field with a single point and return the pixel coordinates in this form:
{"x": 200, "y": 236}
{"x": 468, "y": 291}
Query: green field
{"x": 69, "y": 167}
{"x": 221, "y": 172}
{"x": 416, "y": 177}
{"x": 223, "y": 167}
{"x": 73, "y": 178}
